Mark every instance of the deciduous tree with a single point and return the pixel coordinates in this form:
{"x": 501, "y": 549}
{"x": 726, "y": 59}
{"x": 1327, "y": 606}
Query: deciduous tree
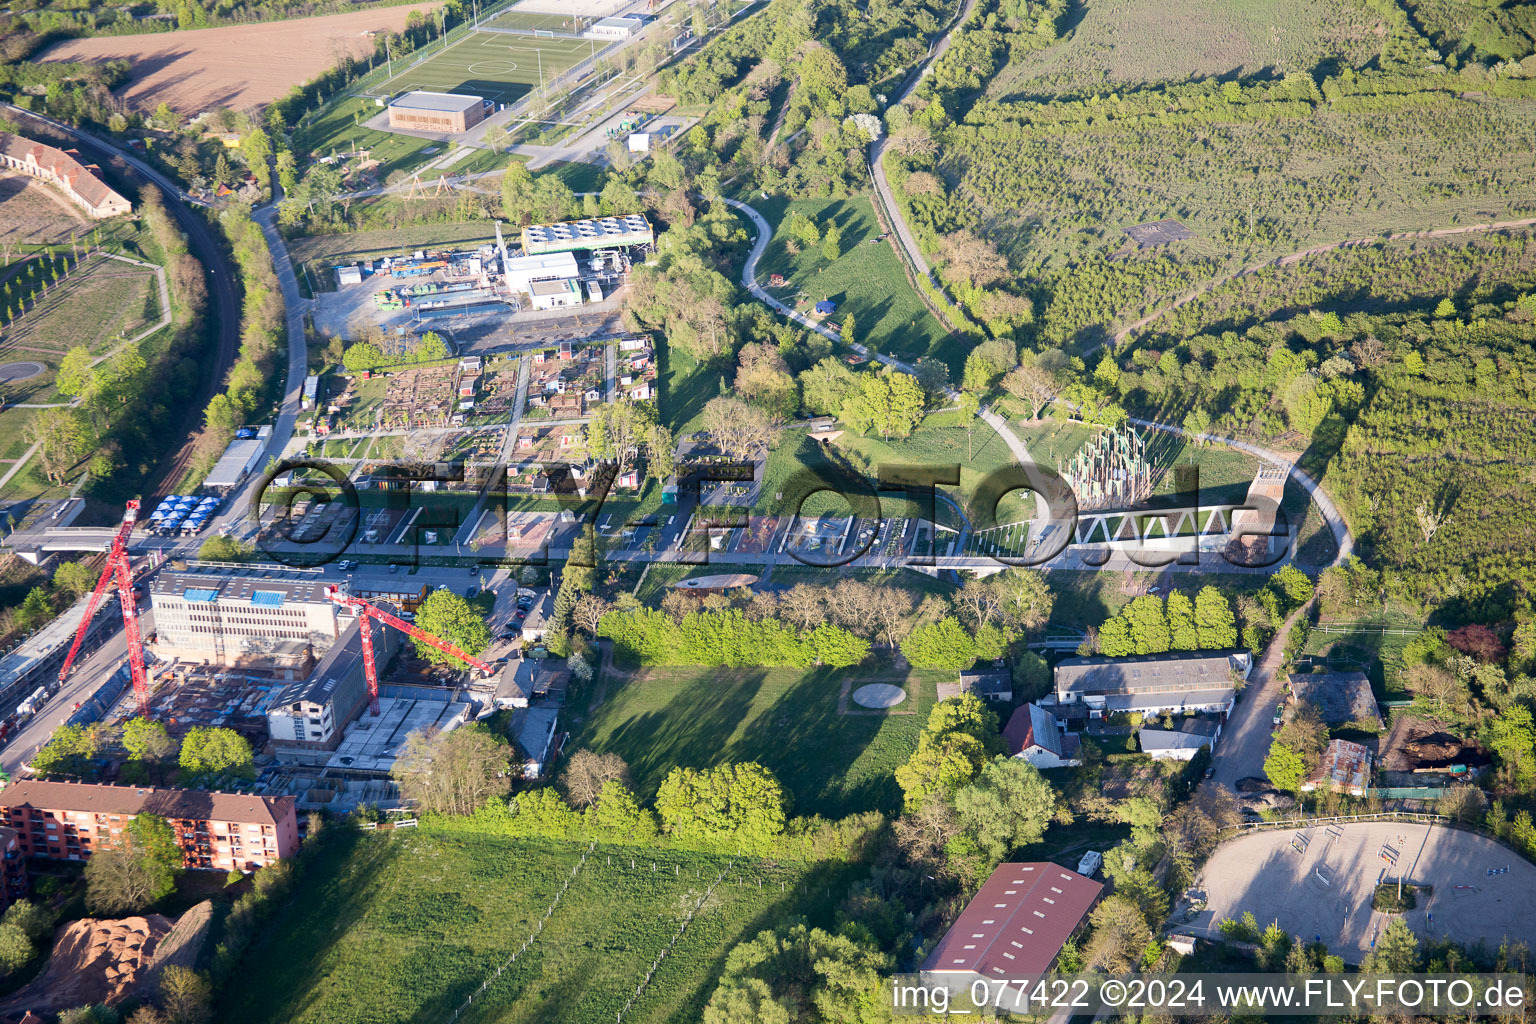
{"x": 587, "y": 772}
{"x": 124, "y": 881}
{"x": 453, "y": 772}
{"x": 450, "y": 616}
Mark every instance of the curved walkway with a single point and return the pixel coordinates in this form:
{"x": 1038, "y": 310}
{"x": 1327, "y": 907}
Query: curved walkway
{"x": 1342, "y": 538}
{"x": 877, "y": 152}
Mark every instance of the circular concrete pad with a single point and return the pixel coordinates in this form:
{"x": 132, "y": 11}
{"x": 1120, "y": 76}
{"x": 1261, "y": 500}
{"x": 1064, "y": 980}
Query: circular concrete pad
{"x": 12, "y": 372}
{"x": 879, "y": 695}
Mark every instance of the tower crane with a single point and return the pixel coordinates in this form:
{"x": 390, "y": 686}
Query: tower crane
{"x": 368, "y": 610}
{"x": 119, "y": 571}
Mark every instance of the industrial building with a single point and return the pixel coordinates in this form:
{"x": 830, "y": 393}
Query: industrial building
{"x": 522, "y": 271}
{"x": 1015, "y": 927}
{"x": 554, "y": 294}
{"x": 311, "y": 715}
{"x": 215, "y": 618}
{"x": 597, "y": 233}
{"x": 223, "y": 831}
{"x": 243, "y": 455}
{"x": 446, "y": 112}
{"x": 1154, "y": 684}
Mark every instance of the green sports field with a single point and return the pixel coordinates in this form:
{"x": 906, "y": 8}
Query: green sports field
{"x": 499, "y": 66}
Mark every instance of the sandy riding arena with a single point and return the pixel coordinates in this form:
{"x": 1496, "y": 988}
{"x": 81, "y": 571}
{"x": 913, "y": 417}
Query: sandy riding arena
{"x": 1318, "y": 882}
{"x": 237, "y": 66}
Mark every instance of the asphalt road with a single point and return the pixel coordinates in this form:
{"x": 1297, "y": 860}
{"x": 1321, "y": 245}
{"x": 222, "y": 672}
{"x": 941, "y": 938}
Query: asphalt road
{"x": 90, "y": 671}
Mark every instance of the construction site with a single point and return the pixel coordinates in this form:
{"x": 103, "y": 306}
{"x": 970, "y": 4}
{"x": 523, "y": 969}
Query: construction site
{"x": 328, "y": 706}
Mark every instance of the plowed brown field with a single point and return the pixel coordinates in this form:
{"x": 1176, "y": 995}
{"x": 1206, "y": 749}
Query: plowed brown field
{"x": 236, "y": 66}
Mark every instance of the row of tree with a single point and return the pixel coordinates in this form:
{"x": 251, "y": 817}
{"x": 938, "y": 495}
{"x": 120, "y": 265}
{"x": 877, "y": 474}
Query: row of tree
{"x": 205, "y": 756}
{"x": 727, "y": 638}
{"x": 1149, "y": 625}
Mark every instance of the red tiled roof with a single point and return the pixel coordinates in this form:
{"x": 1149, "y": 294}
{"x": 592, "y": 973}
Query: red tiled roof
{"x": 1017, "y": 923}
{"x": 75, "y": 176}
{"x": 197, "y": 804}
{"x": 1030, "y": 725}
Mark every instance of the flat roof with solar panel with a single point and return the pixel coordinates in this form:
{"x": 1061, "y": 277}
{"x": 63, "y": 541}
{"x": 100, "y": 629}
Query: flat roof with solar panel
{"x": 597, "y": 233}
{"x": 266, "y": 590}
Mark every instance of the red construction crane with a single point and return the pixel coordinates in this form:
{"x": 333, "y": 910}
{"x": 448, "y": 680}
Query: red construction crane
{"x": 368, "y": 610}
{"x": 117, "y": 569}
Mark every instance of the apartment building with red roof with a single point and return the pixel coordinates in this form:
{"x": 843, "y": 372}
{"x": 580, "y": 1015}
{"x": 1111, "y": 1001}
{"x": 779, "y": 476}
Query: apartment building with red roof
{"x": 71, "y": 820}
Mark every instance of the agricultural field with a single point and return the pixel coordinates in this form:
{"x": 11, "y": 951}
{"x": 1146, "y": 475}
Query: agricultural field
{"x": 832, "y": 762}
{"x": 1133, "y": 42}
{"x": 238, "y": 66}
{"x": 397, "y": 927}
{"x": 96, "y": 304}
{"x": 32, "y": 213}
{"x": 866, "y": 282}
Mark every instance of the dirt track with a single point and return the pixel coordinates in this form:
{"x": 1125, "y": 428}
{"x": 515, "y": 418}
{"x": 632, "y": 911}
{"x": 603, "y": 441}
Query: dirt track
{"x": 1316, "y": 250}
{"x": 236, "y": 66}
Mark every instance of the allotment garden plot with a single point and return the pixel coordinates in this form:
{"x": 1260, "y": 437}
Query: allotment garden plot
{"x": 405, "y": 926}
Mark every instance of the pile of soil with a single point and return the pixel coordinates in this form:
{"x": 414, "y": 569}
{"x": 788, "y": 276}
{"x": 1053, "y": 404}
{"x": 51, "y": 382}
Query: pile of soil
{"x": 1424, "y": 743}
{"x": 98, "y": 961}
{"x": 93, "y": 962}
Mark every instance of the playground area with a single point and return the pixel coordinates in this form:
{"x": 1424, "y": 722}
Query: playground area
{"x": 1317, "y": 883}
